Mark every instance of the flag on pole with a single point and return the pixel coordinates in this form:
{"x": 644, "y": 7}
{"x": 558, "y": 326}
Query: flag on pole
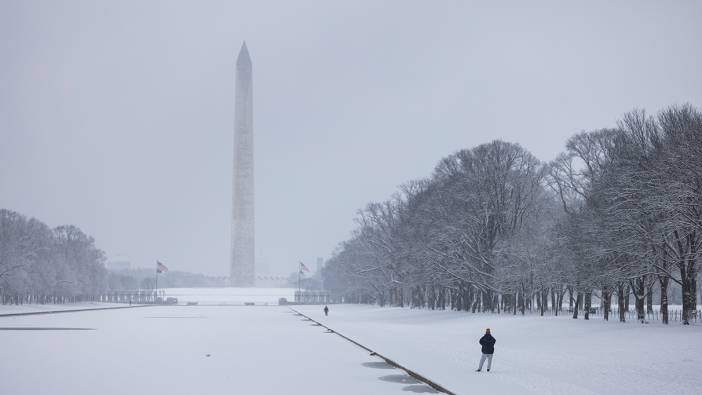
{"x": 160, "y": 267}
{"x": 303, "y": 267}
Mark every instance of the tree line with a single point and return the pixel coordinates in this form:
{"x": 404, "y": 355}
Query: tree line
{"x": 617, "y": 214}
{"x": 39, "y": 264}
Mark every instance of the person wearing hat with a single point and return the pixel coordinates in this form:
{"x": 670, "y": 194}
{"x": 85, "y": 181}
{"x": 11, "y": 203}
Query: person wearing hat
{"x": 488, "y": 348}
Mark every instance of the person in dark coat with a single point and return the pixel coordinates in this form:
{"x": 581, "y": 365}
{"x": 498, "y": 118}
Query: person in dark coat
{"x": 488, "y": 348}
{"x": 326, "y": 310}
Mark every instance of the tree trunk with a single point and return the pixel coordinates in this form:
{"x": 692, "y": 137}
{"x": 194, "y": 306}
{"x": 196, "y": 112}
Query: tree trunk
{"x": 588, "y": 301}
{"x": 639, "y": 296}
{"x": 689, "y": 292}
{"x": 487, "y": 301}
{"x": 606, "y": 303}
{"x": 620, "y": 301}
{"x": 664, "y": 298}
{"x": 578, "y": 301}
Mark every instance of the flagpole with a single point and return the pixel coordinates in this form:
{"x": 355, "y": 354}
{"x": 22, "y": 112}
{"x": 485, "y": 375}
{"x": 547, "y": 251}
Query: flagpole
{"x": 156, "y": 296}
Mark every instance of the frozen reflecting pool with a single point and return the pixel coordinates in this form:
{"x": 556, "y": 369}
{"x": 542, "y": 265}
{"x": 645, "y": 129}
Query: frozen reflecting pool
{"x": 181, "y": 350}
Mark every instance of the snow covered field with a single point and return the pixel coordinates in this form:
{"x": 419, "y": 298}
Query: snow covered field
{"x": 269, "y": 350}
{"x": 235, "y": 296}
{"x": 533, "y": 355}
{"x": 164, "y": 350}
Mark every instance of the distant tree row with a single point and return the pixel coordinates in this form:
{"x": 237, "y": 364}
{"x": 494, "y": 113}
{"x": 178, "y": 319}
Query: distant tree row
{"x": 43, "y": 265}
{"x": 618, "y": 213}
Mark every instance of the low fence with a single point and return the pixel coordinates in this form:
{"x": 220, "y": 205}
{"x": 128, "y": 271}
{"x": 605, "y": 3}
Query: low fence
{"x": 127, "y": 297}
{"x": 313, "y": 297}
{"x": 631, "y": 315}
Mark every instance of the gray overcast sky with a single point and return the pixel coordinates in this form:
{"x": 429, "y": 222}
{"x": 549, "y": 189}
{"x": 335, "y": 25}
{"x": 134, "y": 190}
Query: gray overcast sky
{"x": 118, "y": 116}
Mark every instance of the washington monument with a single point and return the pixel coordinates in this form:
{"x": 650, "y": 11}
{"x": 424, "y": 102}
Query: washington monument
{"x": 243, "y": 226}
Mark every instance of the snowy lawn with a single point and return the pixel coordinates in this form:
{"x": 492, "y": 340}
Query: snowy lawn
{"x": 533, "y": 355}
{"x": 164, "y": 350}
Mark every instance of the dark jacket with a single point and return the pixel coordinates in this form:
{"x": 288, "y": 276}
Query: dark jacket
{"x": 488, "y": 343}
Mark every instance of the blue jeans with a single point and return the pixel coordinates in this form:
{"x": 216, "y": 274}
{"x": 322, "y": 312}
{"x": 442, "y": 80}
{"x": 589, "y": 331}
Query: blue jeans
{"x": 482, "y": 360}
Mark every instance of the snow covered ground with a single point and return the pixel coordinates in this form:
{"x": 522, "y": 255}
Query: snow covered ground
{"x": 234, "y": 296}
{"x": 269, "y": 350}
{"x": 164, "y": 350}
{"x": 533, "y": 355}
{"x": 31, "y": 308}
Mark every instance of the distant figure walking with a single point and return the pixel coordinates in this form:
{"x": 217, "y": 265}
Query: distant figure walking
{"x": 326, "y": 310}
{"x": 488, "y": 348}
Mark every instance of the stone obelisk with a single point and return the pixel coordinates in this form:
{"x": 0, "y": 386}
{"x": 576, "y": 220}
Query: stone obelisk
{"x": 242, "y": 271}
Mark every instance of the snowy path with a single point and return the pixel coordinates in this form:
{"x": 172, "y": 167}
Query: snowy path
{"x": 438, "y": 387}
{"x": 164, "y": 350}
{"x": 534, "y": 355}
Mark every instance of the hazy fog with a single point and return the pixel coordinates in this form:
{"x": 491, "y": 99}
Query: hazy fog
{"x": 118, "y": 116}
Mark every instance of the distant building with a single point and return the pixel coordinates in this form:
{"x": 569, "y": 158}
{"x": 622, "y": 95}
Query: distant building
{"x": 320, "y": 263}
{"x": 116, "y": 266}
